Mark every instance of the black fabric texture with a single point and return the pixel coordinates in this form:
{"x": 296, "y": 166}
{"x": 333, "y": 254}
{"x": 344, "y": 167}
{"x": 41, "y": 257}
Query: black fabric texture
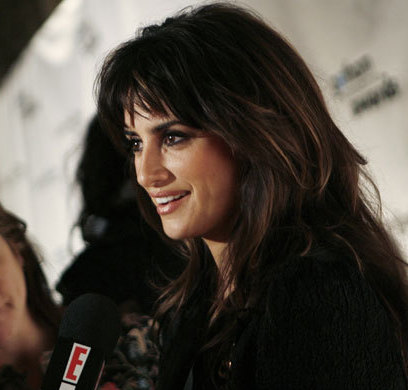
{"x": 319, "y": 326}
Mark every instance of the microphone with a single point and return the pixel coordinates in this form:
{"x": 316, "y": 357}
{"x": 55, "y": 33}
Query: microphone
{"x": 88, "y": 333}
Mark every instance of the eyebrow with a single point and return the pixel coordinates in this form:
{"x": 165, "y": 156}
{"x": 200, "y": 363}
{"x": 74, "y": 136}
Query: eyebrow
{"x": 156, "y": 129}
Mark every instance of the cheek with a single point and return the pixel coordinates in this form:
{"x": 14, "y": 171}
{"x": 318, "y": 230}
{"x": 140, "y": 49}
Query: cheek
{"x": 220, "y": 183}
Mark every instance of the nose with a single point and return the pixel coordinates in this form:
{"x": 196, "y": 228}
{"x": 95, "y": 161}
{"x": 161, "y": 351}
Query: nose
{"x": 150, "y": 169}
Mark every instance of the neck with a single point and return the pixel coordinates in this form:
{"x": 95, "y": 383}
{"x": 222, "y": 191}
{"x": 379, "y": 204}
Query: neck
{"x": 217, "y": 250}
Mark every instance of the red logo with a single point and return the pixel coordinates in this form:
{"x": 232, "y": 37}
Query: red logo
{"x": 76, "y": 363}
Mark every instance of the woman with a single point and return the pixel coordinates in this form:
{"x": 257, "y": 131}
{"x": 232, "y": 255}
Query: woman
{"x": 292, "y": 281}
{"x": 28, "y": 316}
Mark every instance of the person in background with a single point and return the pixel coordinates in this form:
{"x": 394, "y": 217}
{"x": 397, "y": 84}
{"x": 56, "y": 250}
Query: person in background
{"x": 29, "y": 318}
{"x": 120, "y": 259}
{"x": 292, "y": 281}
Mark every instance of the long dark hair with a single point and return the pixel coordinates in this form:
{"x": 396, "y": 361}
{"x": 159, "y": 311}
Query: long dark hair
{"x": 221, "y": 69}
{"x": 42, "y": 307}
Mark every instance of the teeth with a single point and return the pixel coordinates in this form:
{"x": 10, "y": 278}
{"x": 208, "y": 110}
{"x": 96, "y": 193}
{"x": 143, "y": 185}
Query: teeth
{"x": 167, "y": 199}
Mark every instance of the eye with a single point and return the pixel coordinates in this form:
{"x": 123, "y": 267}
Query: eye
{"x": 174, "y": 137}
{"x": 134, "y": 144}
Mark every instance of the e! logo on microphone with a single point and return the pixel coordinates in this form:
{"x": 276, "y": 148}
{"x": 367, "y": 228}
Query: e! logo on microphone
{"x": 76, "y": 363}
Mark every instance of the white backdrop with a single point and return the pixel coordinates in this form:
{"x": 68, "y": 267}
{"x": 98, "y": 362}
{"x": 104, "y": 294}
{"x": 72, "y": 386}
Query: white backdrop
{"x": 356, "y": 48}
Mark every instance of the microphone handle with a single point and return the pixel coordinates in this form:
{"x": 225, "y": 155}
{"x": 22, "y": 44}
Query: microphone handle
{"x": 73, "y": 366}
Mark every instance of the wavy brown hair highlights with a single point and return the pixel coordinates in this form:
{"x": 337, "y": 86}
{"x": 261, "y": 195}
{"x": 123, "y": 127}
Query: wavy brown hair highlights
{"x": 41, "y": 306}
{"x": 221, "y": 69}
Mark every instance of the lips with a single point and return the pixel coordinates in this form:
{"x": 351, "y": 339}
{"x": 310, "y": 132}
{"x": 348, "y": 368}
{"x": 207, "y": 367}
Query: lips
{"x": 167, "y": 199}
{"x": 163, "y": 198}
{"x": 167, "y": 203}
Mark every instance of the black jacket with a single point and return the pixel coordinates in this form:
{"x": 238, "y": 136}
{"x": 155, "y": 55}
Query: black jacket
{"x": 319, "y": 326}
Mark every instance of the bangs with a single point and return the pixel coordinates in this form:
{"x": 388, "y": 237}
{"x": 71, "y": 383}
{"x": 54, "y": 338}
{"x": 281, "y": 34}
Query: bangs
{"x": 142, "y": 75}
{"x": 143, "y": 95}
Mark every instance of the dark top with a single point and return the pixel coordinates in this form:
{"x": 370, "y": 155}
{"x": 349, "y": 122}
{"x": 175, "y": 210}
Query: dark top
{"x": 319, "y": 326}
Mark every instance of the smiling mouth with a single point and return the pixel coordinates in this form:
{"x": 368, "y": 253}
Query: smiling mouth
{"x": 168, "y": 199}
{"x": 168, "y": 204}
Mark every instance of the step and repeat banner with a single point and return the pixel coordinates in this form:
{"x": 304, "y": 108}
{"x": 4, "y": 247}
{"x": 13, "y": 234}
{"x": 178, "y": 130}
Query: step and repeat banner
{"x": 356, "y": 49}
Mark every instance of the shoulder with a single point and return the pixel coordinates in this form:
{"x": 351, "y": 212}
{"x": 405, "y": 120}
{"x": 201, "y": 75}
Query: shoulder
{"x": 319, "y": 263}
{"x": 324, "y": 323}
{"x": 327, "y": 292}
{"x": 322, "y": 279}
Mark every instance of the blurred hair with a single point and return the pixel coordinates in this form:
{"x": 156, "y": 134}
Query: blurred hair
{"x": 103, "y": 179}
{"x": 40, "y": 303}
{"x": 222, "y": 69}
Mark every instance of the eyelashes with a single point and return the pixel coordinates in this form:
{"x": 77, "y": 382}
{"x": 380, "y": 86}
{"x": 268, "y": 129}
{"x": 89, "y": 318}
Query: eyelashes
{"x": 169, "y": 138}
{"x": 133, "y": 144}
{"x": 175, "y": 137}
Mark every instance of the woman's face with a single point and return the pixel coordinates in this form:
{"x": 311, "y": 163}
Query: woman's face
{"x": 13, "y": 293}
{"x": 190, "y": 176}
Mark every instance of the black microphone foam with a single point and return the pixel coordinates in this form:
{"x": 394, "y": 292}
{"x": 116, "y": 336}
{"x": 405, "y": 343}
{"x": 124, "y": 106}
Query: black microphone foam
{"x": 93, "y": 319}
{"x": 88, "y": 333}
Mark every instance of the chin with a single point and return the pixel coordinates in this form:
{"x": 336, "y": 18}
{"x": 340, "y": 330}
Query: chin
{"x": 177, "y": 234}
